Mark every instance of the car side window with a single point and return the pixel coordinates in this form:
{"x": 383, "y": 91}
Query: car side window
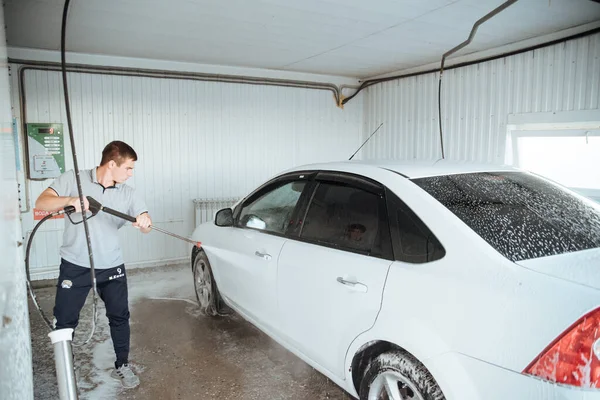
{"x": 415, "y": 243}
{"x": 345, "y": 217}
{"x": 271, "y": 211}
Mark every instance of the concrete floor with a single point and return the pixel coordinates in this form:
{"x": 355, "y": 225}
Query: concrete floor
{"x": 177, "y": 352}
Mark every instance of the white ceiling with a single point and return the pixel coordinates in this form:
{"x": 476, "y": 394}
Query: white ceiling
{"x": 357, "y": 38}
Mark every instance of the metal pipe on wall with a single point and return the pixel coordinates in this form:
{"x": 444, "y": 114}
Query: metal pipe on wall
{"x": 26, "y": 65}
{"x": 150, "y": 73}
{"x": 370, "y": 82}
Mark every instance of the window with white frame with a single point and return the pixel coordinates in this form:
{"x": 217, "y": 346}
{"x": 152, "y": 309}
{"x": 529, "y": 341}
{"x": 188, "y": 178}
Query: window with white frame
{"x": 569, "y": 157}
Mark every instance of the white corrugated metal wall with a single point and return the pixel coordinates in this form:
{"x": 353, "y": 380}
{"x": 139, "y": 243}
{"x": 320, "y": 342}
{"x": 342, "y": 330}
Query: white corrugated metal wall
{"x": 476, "y": 102}
{"x": 194, "y": 140}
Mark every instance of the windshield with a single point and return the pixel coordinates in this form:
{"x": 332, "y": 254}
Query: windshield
{"x": 521, "y": 215}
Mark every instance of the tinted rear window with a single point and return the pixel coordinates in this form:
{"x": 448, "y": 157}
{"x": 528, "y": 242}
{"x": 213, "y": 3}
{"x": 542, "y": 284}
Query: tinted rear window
{"x": 520, "y": 215}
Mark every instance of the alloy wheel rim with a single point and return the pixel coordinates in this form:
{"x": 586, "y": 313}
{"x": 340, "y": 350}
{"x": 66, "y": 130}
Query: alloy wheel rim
{"x": 392, "y": 385}
{"x": 203, "y": 284}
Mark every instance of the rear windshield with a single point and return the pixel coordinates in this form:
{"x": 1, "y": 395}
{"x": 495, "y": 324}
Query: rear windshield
{"x": 519, "y": 214}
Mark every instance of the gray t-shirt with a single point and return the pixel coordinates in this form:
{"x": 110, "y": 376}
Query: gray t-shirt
{"x": 103, "y": 227}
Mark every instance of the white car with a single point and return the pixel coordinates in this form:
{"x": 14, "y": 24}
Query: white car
{"x": 421, "y": 281}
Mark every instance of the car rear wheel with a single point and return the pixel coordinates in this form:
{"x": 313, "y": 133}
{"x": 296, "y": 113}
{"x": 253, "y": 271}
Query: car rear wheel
{"x": 396, "y": 375}
{"x": 205, "y": 287}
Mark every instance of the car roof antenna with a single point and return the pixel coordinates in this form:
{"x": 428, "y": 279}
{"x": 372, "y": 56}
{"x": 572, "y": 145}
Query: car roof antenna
{"x": 352, "y": 156}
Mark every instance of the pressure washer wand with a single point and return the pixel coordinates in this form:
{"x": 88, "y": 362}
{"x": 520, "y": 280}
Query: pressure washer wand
{"x": 198, "y": 244}
{"x": 95, "y": 207}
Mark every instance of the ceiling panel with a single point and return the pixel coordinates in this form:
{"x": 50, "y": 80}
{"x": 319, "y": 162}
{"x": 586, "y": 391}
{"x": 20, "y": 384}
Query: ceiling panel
{"x": 355, "y": 38}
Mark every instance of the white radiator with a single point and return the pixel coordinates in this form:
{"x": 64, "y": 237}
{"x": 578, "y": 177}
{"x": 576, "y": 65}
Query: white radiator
{"x": 205, "y": 209}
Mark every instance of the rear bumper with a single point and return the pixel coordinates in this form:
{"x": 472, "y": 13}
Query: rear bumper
{"x": 465, "y": 378}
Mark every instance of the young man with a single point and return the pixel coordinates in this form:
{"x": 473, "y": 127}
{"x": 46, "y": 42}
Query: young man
{"x": 106, "y": 185}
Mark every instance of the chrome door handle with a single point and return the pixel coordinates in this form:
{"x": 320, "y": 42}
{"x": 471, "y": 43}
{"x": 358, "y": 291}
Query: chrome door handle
{"x": 266, "y": 256}
{"x": 353, "y": 284}
{"x": 345, "y": 282}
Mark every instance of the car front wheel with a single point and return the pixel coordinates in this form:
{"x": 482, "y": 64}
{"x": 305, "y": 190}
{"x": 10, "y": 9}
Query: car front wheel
{"x": 396, "y": 375}
{"x": 205, "y": 287}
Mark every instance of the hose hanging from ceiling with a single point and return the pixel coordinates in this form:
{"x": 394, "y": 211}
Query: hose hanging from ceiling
{"x": 480, "y": 21}
{"x": 76, "y": 167}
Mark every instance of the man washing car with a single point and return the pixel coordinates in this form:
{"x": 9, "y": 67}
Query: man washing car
{"x": 107, "y": 184}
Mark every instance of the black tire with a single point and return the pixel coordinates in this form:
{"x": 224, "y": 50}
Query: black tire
{"x": 210, "y": 302}
{"x": 410, "y": 372}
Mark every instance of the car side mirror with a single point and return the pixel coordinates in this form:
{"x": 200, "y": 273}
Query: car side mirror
{"x": 224, "y": 217}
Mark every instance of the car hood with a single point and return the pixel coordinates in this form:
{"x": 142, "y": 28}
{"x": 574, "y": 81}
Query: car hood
{"x": 582, "y": 267}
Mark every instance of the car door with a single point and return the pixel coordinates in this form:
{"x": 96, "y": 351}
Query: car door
{"x": 248, "y": 261}
{"x": 331, "y": 277}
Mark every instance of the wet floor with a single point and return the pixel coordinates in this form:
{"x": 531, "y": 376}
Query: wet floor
{"x": 177, "y": 352}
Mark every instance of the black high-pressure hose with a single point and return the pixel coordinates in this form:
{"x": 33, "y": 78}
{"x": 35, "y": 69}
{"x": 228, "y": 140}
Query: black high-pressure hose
{"x": 27, "y": 251}
{"x": 69, "y": 209}
{"x": 66, "y": 211}
{"x": 75, "y": 165}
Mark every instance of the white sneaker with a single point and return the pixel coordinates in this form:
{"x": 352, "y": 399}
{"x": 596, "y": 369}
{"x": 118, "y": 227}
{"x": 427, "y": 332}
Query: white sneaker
{"x": 126, "y": 376}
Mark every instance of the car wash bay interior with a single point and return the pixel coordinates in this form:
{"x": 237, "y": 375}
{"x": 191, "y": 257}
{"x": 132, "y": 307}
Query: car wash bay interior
{"x": 206, "y": 135}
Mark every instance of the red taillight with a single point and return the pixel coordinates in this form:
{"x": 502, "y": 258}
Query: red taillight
{"x": 574, "y": 357}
